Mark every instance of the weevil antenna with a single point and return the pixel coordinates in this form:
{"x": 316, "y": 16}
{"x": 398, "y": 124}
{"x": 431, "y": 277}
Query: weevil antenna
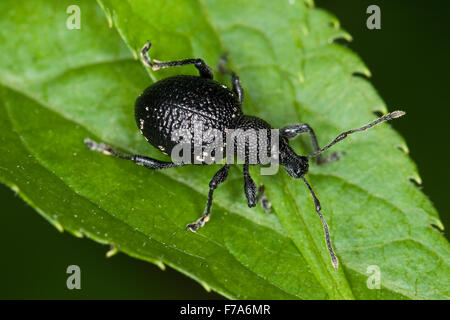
{"x": 334, "y": 259}
{"x": 343, "y": 135}
{"x": 144, "y": 54}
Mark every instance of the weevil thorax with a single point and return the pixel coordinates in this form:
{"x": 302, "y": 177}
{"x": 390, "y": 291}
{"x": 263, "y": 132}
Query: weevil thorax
{"x": 296, "y": 165}
{"x": 250, "y": 133}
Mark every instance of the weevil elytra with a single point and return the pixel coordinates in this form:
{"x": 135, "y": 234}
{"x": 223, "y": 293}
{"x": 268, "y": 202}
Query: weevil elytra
{"x": 183, "y": 101}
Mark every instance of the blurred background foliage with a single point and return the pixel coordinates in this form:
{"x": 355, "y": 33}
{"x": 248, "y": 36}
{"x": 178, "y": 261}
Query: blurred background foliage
{"x": 409, "y": 60}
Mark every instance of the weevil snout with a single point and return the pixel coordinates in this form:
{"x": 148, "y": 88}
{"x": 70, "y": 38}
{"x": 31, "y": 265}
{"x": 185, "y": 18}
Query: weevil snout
{"x": 296, "y": 165}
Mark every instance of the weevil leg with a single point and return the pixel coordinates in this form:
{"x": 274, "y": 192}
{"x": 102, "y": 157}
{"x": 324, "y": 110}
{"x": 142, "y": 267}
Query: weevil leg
{"x": 265, "y": 203}
{"x": 292, "y": 131}
{"x": 218, "y": 178}
{"x": 204, "y": 70}
{"x": 253, "y": 194}
{"x": 318, "y": 208}
{"x": 235, "y": 81}
{"x": 140, "y": 160}
{"x": 249, "y": 187}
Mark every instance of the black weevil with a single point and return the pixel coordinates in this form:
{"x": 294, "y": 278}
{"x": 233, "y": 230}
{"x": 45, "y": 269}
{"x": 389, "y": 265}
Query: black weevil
{"x": 179, "y": 101}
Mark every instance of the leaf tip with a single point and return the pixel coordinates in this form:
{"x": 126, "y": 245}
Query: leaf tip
{"x": 363, "y": 73}
{"x": 416, "y": 179}
{"x": 404, "y": 148}
{"x": 78, "y": 233}
{"x": 438, "y": 223}
{"x": 58, "y": 226}
{"x": 161, "y": 265}
{"x": 111, "y": 252}
{"x": 205, "y": 286}
{"x": 367, "y": 72}
{"x": 339, "y": 37}
{"x": 15, "y": 188}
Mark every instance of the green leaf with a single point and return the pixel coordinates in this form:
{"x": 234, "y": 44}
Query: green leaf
{"x": 59, "y": 86}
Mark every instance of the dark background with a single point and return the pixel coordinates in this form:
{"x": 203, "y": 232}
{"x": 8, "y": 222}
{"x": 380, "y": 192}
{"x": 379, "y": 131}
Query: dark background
{"x": 409, "y": 60}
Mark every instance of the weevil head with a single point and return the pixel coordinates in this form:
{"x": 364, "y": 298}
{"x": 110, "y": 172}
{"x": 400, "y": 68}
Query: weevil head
{"x": 296, "y": 165}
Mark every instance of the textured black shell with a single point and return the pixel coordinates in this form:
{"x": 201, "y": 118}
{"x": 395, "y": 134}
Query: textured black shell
{"x": 177, "y": 102}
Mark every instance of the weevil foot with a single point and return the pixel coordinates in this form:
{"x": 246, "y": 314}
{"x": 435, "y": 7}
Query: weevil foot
{"x": 98, "y": 146}
{"x": 335, "y": 156}
{"x": 144, "y": 54}
{"x": 197, "y": 224}
{"x": 265, "y": 203}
